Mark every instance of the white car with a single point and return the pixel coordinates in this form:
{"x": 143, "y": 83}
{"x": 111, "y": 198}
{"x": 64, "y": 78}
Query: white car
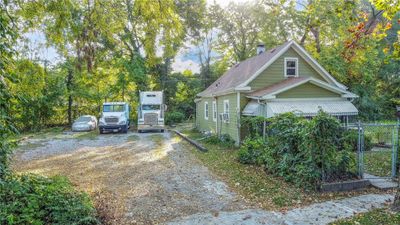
{"x": 85, "y": 123}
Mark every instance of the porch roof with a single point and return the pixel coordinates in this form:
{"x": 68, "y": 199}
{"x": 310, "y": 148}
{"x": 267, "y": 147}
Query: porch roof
{"x": 301, "y": 108}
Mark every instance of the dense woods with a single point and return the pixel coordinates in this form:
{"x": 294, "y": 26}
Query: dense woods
{"x": 109, "y": 50}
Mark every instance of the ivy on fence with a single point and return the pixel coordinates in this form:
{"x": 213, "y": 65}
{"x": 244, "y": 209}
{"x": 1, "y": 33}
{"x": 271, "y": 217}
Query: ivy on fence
{"x": 304, "y": 152}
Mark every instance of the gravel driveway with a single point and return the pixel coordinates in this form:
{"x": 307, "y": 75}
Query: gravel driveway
{"x": 133, "y": 178}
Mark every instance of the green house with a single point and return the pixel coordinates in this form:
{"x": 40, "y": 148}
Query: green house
{"x": 279, "y": 80}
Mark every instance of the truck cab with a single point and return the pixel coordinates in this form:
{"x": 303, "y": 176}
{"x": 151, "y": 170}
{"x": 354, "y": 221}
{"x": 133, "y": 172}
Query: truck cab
{"x": 151, "y": 111}
{"x": 114, "y": 117}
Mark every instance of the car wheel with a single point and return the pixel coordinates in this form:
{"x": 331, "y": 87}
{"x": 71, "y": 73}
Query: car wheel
{"x": 162, "y": 130}
{"x": 101, "y": 131}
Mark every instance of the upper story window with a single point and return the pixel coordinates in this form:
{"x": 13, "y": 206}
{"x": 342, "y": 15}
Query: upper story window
{"x": 291, "y": 67}
{"x": 206, "y": 110}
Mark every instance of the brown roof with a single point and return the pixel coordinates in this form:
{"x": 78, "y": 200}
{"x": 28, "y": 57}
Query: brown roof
{"x": 241, "y": 72}
{"x": 270, "y": 89}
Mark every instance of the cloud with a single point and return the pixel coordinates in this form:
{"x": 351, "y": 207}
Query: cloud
{"x": 224, "y": 3}
{"x": 180, "y": 65}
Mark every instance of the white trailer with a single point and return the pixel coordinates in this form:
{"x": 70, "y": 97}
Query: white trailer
{"x": 151, "y": 111}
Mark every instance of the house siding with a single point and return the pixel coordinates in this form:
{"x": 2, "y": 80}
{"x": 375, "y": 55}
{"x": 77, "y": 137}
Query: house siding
{"x": 230, "y": 128}
{"x": 275, "y": 72}
{"x": 307, "y": 90}
{"x": 201, "y": 122}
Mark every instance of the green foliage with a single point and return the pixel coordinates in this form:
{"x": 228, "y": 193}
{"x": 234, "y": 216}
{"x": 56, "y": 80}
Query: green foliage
{"x": 174, "y": 117}
{"x": 224, "y": 140}
{"x": 8, "y": 36}
{"x": 304, "y": 152}
{"x": 32, "y": 199}
{"x": 251, "y": 150}
{"x": 373, "y": 217}
{"x": 350, "y": 139}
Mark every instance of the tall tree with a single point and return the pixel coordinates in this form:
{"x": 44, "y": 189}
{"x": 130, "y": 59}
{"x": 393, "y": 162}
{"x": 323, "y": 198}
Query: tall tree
{"x": 239, "y": 31}
{"x": 8, "y": 36}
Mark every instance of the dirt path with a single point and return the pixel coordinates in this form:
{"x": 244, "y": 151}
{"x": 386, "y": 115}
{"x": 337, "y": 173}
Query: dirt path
{"x": 133, "y": 178}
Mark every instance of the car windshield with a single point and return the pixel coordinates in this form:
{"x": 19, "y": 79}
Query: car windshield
{"x": 113, "y": 108}
{"x": 150, "y": 107}
{"x": 83, "y": 119}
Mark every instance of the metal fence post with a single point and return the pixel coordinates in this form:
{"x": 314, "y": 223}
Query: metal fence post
{"x": 394, "y": 163}
{"x": 359, "y": 156}
{"x": 264, "y": 124}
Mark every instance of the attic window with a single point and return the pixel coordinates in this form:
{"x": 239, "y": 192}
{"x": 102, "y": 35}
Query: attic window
{"x": 291, "y": 67}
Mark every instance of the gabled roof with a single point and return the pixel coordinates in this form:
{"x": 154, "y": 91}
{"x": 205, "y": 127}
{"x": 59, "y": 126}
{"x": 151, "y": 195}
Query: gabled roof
{"x": 241, "y": 72}
{"x": 275, "y": 89}
{"x": 240, "y": 75}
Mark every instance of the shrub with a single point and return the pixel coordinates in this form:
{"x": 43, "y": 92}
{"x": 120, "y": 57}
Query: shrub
{"x": 350, "y": 138}
{"x": 303, "y": 152}
{"x": 32, "y": 199}
{"x": 224, "y": 140}
{"x": 174, "y": 117}
{"x": 250, "y": 151}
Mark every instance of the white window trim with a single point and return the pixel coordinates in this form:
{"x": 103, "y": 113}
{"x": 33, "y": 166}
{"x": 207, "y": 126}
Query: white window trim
{"x": 229, "y": 108}
{"x": 297, "y": 66}
{"x": 206, "y": 110}
{"x": 214, "y": 110}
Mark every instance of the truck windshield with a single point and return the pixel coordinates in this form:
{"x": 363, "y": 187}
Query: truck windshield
{"x": 150, "y": 107}
{"x": 113, "y": 108}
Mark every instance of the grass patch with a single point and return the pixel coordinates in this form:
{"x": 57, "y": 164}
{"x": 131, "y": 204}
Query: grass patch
{"x": 253, "y": 183}
{"x": 91, "y": 135}
{"x": 133, "y": 137}
{"x": 42, "y": 134}
{"x": 31, "y": 145}
{"x": 157, "y": 138}
{"x": 378, "y": 163}
{"x": 374, "y": 217}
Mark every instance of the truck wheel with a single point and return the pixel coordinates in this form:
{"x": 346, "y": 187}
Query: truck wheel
{"x": 125, "y": 129}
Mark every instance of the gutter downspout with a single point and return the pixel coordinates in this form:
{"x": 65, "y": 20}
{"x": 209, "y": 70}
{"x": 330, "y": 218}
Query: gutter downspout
{"x": 238, "y": 117}
{"x": 216, "y": 111}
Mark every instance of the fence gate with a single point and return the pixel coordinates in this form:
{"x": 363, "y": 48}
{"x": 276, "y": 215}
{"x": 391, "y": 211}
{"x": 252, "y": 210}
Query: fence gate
{"x": 378, "y": 150}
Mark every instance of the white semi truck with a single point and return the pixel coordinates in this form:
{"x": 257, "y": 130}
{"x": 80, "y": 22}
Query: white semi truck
{"x": 151, "y": 111}
{"x": 115, "y": 117}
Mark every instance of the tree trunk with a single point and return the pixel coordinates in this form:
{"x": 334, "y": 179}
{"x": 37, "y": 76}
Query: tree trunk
{"x": 69, "y": 91}
{"x": 315, "y": 32}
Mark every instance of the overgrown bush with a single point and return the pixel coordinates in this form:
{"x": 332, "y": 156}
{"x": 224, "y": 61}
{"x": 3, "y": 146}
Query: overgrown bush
{"x": 174, "y": 117}
{"x": 303, "y": 152}
{"x": 251, "y": 150}
{"x": 33, "y": 199}
{"x": 350, "y": 138}
{"x": 224, "y": 140}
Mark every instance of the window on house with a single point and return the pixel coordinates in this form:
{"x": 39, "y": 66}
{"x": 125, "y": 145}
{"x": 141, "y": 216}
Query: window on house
{"x": 291, "y": 67}
{"x": 206, "y": 110}
{"x": 226, "y": 111}
{"x": 214, "y": 108}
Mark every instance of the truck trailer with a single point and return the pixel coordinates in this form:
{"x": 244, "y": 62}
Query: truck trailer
{"x": 151, "y": 111}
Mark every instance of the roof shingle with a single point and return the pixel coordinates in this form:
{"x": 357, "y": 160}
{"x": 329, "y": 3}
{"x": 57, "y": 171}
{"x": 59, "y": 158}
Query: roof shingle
{"x": 278, "y": 86}
{"x": 241, "y": 72}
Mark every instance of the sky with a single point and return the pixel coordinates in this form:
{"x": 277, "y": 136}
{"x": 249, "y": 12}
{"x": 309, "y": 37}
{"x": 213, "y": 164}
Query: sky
{"x": 186, "y": 59}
